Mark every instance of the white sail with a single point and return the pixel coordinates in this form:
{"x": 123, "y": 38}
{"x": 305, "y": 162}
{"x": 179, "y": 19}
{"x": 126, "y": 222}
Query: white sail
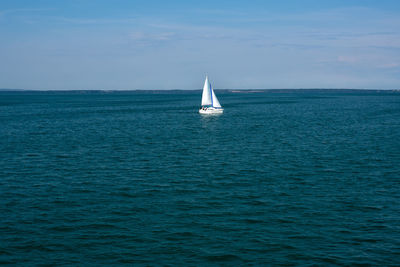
{"x": 215, "y": 102}
{"x": 206, "y": 97}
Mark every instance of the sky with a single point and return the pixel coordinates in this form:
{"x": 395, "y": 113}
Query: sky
{"x": 159, "y": 44}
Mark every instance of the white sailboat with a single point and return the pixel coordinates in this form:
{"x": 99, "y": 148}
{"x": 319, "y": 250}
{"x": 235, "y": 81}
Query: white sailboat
{"x": 209, "y": 101}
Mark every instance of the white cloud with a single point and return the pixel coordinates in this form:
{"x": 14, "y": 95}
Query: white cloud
{"x": 148, "y": 38}
{"x": 347, "y": 59}
{"x": 389, "y": 65}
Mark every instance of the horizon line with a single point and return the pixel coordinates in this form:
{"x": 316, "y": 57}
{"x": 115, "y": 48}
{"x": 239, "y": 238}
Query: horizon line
{"x": 225, "y": 89}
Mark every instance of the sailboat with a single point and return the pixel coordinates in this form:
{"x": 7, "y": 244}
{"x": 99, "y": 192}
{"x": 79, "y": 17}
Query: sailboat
{"x": 209, "y": 101}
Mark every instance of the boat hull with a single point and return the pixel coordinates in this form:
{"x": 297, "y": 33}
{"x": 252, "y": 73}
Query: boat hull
{"x": 211, "y": 110}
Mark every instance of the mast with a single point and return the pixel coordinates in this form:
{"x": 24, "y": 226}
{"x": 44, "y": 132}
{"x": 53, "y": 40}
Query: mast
{"x": 212, "y": 94}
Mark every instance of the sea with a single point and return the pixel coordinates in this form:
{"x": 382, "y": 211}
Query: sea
{"x": 140, "y": 178}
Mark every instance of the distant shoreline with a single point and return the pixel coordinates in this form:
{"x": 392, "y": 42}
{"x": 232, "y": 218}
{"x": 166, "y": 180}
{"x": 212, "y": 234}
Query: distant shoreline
{"x": 192, "y": 90}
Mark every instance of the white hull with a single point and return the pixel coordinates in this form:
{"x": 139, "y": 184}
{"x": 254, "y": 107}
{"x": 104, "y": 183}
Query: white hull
{"x": 211, "y": 110}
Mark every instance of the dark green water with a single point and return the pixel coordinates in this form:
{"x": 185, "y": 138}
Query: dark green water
{"x": 281, "y": 178}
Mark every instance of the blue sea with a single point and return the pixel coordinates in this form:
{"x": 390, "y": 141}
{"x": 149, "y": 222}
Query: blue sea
{"x": 283, "y": 177}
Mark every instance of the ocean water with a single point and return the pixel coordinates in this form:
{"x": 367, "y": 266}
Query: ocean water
{"x": 284, "y": 177}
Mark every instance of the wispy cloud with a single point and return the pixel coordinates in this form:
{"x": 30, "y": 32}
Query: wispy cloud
{"x": 347, "y": 59}
{"x": 23, "y": 10}
{"x": 77, "y": 20}
{"x": 149, "y": 37}
{"x": 390, "y": 65}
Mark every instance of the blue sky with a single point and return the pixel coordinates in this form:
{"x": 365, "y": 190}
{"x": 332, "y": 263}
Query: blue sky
{"x": 121, "y": 44}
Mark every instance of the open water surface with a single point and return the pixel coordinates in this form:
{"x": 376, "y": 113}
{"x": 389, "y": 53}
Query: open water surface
{"x": 140, "y": 178}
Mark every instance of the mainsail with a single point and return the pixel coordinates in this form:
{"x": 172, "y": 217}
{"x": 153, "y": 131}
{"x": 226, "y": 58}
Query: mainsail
{"x": 206, "y": 97}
